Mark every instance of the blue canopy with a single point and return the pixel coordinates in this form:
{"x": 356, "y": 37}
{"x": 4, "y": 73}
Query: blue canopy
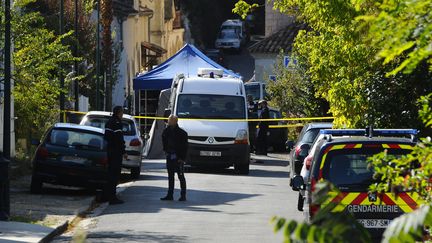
{"x": 187, "y": 61}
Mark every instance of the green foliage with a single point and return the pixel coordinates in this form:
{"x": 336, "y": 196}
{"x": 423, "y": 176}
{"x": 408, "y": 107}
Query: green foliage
{"x": 38, "y": 55}
{"x": 401, "y": 30}
{"x": 409, "y": 227}
{"x": 293, "y": 92}
{"x": 242, "y": 8}
{"x": 325, "y": 226}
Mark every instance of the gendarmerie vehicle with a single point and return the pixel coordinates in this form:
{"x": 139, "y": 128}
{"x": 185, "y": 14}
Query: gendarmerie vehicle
{"x": 342, "y": 159}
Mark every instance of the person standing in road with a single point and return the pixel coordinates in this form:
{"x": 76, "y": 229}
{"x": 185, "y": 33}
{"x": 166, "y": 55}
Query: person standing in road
{"x": 116, "y": 153}
{"x": 263, "y": 128}
{"x": 252, "y": 114}
{"x": 175, "y": 145}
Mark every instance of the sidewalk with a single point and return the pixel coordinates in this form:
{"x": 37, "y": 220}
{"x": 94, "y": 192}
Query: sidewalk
{"x": 22, "y": 232}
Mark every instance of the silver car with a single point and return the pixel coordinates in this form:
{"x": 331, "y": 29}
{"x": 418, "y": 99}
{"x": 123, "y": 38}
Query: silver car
{"x": 133, "y": 141}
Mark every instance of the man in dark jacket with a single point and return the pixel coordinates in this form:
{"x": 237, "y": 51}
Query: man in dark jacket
{"x": 175, "y": 145}
{"x": 252, "y": 114}
{"x": 116, "y": 152}
{"x": 263, "y": 128}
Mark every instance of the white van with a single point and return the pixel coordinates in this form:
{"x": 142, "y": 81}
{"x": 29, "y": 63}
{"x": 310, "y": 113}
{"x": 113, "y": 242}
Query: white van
{"x": 238, "y": 26}
{"x": 211, "y": 96}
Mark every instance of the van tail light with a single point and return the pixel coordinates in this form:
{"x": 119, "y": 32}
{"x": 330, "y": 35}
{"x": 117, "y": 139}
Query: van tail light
{"x": 103, "y": 161}
{"x": 42, "y": 153}
{"x": 297, "y": 151}
{"x": 135, "y": 142}
{"x": 308, "y": 162}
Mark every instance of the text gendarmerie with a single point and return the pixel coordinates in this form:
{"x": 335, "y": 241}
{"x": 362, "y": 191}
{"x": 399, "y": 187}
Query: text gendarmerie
{"x": 373, "y": 208}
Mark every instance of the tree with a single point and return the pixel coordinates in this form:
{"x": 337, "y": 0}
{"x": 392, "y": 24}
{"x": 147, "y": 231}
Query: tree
{"x": 36, "y": 86}
{"x": 107, "y": 53}
{"x": 341, "y": 63}
{"x": 293, "y": 92}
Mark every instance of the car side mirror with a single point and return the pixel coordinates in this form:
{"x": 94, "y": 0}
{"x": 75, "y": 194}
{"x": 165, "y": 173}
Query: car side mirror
{"x": 35, "y": 142}
{"x": 289, "y": 145}
{"x": 298, "y": 183}
{"x": 167, "y": 113}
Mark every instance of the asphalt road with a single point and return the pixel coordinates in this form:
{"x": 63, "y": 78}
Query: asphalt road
{"x": 222, "y": 206}
{"x": 242, "y": 63}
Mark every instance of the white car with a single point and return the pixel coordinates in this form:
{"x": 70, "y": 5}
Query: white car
{"x": 133, "y": 141}
{"x": 228, "y": 39}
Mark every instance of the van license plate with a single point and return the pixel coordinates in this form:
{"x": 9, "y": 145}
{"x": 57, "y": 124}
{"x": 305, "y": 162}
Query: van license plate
{"x": 211, "y": 153}
{"x": 374, "y": 223}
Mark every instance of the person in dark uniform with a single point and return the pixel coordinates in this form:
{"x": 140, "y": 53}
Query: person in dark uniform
{"x": 116, "y": 152}
{"x": 175, "y": 145}
{"x": 252, "y": 114}
{"x": 263, "y": 128}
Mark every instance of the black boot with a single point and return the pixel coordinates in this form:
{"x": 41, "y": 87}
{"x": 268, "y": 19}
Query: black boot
{"x": 167, "y": 198}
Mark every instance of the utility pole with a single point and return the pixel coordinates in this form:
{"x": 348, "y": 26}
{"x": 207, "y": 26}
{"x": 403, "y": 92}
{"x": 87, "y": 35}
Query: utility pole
{"x": 76, "y": 87}
{"x": 62, "y": 95}
{"x": 98, "y": 56}
{"x": 4, "y": 162}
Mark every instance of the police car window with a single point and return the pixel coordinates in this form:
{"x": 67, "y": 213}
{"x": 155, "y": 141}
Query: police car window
{"x": 100, "y": 122}
{"x": 350, "y": 169}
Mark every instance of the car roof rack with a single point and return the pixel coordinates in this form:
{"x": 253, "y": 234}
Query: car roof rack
{"x": 370, "y": 132}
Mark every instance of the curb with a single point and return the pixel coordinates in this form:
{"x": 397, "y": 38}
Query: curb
{"x": 56, "y": 232}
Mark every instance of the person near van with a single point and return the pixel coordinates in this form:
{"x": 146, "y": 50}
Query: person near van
{"x": 252, "y": 114}
{"x": 175, "y": 145}
{"x": 116, "y": 151}
{"x": 263, "y": 128}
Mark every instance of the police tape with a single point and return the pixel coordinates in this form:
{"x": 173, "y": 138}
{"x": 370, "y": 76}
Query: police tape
{"x": 230, "y": 120}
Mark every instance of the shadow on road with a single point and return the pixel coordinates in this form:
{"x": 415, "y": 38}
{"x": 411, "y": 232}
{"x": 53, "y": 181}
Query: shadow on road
{"x": 140, "y": 236}
{"x": 146, "y": 199}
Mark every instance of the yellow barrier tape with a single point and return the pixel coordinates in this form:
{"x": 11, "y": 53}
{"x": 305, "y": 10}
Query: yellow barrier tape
{"x": 229, "y": 120}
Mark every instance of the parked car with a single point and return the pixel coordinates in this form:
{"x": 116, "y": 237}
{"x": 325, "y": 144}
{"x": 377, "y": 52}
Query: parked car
{"x": 216, "y": 55}
{"x": 229, "y": 40}
{"x": 301, "y": 148}
{"x": 133, "y": 141}
{"x": 72, "y": 155}
{"x": 342, "y": 158}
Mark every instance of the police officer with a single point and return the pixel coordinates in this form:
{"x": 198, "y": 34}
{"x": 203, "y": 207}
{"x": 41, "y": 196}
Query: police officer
{"x": 116, "y": 152}
{"x": 252, "y": 114}
{"x": 175, "y": 145}
{"x": 263, "y": 128}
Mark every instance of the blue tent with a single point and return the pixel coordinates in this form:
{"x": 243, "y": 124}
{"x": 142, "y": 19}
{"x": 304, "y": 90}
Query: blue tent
{"x": 187, "y": 61}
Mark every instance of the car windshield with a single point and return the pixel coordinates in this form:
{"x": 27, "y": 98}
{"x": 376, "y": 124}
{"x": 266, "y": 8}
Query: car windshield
{"x": 253, "y": 90}
{"x": 310, "y": 135}
{"x": 100, "y": 121}
{"x": 80, "y": 139}
{"x": 228, "y": 35}
{"x": 211, "y": 106}
{"x": 350, "y": 168}
{"x": 236, "y": 28}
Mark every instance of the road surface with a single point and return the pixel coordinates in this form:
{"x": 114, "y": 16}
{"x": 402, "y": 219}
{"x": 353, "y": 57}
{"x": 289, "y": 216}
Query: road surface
{"x": 222, "y": 206}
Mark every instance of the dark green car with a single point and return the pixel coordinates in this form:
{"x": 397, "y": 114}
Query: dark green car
{"x": 71, "y": 155}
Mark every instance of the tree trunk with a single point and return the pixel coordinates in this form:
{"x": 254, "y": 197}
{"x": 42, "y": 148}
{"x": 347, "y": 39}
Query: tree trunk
{"x": 107, "y": 53}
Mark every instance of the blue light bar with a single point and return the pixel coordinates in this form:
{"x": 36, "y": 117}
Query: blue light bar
{"x": 399, "y": 132}
{"x": 344, "y": 132}
{"x": 365, "y": 132}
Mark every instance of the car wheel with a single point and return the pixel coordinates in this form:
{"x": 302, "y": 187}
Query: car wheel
{"x": 36, "y": 185}
{"x": 300, "y": 202}
{"x": 243, "y": 169}
{"x": 135, "y": 172}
